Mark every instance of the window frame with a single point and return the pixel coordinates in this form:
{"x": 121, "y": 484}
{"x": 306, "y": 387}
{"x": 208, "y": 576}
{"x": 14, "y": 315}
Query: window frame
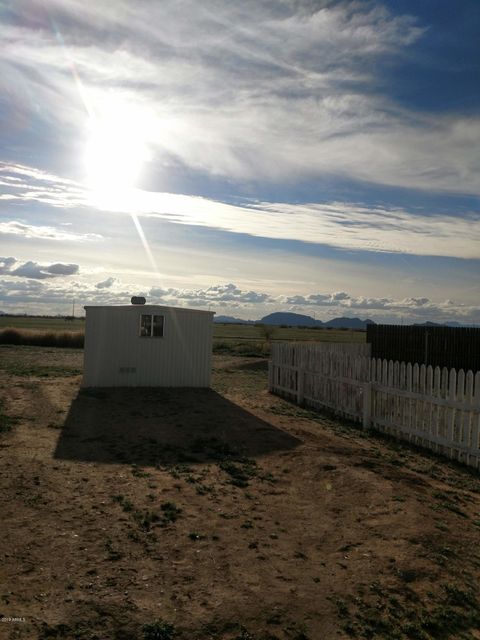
{"x": 152, "y": 325}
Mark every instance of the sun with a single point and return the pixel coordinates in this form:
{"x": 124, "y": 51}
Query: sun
{"x": 115, "y": 153}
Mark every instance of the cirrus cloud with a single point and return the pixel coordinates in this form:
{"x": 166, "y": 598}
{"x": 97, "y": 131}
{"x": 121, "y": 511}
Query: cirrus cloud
{"x": 42, "y": 232}
{"x": 255, "y": 91}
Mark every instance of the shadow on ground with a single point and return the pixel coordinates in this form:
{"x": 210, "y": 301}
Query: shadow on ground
{"x": 163, "y": 426}
{"x": 256, "y": 365}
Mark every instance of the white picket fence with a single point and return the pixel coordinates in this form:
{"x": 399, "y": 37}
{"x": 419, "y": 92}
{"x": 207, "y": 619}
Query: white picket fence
{"x": 434, "y": 408}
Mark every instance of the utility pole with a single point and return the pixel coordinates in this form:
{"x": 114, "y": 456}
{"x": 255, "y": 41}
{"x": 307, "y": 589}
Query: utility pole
{"x": 73, "y": 308}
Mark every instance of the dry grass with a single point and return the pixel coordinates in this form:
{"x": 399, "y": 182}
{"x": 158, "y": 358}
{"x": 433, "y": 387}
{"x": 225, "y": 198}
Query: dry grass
{"x": 68, "y": 339}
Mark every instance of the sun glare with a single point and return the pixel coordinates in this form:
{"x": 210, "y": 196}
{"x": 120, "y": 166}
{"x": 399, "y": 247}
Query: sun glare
{"x": 115, "y": 153}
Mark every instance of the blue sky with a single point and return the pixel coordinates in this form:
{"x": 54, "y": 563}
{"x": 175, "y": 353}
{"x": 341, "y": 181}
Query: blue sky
{"x": 311, "y": 156}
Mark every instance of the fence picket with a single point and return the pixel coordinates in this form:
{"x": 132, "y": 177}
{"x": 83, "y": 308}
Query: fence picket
{"x": 458, "y": 428}
{"x": 468, "y": 424}
{"x": 429, "y": 405}
{"x": 437, "y": 376}
{"x": 452, "y": 395}
{"x": 476, "y": 420}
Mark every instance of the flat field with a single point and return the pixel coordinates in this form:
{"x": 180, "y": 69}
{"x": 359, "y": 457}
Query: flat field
{"x": 42, "y": 324}
{"x": 232, "y": 333}
{"x": 221, "y": 514}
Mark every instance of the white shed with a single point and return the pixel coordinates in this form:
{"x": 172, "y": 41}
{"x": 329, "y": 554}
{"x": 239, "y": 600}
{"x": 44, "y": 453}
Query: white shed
{"x": 147, "y": 346}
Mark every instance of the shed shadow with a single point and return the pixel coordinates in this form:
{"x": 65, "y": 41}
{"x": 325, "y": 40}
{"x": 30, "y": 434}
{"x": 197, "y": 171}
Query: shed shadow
{"x": 148, "y": 427}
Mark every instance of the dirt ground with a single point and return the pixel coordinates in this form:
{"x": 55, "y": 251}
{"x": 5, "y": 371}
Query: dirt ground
{"x": 222, "y": 514}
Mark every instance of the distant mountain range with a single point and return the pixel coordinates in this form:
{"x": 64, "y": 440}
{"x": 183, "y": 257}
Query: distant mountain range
{"x": 298, "y": 320}
{"x": 231, "y": 320}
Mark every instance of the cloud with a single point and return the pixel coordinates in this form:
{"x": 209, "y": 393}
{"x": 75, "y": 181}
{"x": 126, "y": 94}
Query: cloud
{"x": 6, "y": 264}
{"x": 28, "y": 184}
{"x": 59, "y": 269}
{"x": 344, "y": 225}
{"x": 248, "y": 91}
{"x": 105, "y": 284}
{"x": 36, "y": 271}
{"x": 224, "y": 294}
{"x": 346, "y": 301}
{"x": 339, "y": 224}
{"x": 412, "y": 308}
{"x": 54, "y": 296}
{"x": 37, "y": 232}
{"x": 157, "y": 292}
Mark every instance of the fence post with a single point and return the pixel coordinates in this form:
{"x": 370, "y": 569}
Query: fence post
{"x": 300, "y": 382}
{"x": 270, "y": 376}
{"x": 367, "y": 405}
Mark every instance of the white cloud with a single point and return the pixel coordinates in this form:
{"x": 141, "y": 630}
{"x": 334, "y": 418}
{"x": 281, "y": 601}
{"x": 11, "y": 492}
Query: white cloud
{"x": 59, "y": 269}
{"x": 248, "y": 91}
{"x": 55, "y": 296}
{"x": 344, "y": 225}
{"x": 338, "y": 224}
{"x": 33, "y": 270}
{"x": 225, "y": 294}
{"x": 6, "y": 264}
{"x": 39, "y": 232}
{"x": 105, "y": 284}
{"x": 413, "y": 309}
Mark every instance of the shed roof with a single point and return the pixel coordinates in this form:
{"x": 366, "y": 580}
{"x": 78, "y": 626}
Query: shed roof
{"x": 146, "y": 306}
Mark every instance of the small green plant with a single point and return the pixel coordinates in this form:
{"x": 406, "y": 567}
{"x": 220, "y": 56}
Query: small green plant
{"x": 458, "y": 597}
{"x": 133, "y": 536}
{"x": 204, "y": 489}
{"x": 6, "y": 422}
{"x": 240, "y": 471}
{"x": 158, "y": 630}
{"x": 454, "y": 508}
{"x": 139, "y": 473}
{"x": 244, "y": 635}
{"x": 180, "y": 470}
{"x": 113, "y": 554}
{"x": 342, "y": 607}
{"x": 196, "y": 536}
{"x": 126, "y": 505}
{"x": 146, "y": 518}
{"x": 170, "y": 512}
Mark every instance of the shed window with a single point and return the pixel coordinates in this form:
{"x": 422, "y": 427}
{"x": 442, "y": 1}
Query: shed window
{"x": 151, "y": 326}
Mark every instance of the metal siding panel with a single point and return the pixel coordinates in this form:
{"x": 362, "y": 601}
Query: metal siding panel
{"x": 181, "y": 358}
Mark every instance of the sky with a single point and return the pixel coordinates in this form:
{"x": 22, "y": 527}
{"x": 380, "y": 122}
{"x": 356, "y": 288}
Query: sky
{"x": 246, "y": 157}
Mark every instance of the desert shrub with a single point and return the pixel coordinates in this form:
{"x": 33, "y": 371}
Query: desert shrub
{"x": 250, "y": 349}
{"x": 245, "y": 348}
{"x": 266, "y": 331}
{"x": 66, "y": 339}
{"x": 222, "y": 346}
{"x": 10, "y": 336}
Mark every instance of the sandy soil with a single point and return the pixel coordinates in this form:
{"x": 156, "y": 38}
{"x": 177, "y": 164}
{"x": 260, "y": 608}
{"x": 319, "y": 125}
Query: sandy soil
{"x": 221, "y": 514}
